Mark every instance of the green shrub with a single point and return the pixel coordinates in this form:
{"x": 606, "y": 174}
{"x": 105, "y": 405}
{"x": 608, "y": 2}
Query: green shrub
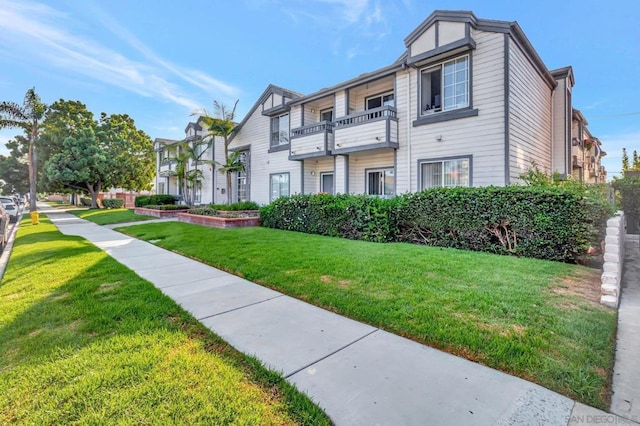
{"x": 113, "y": 203}
{"x": 243, "y": 205}
{"x": 548, "y": 223}
{"x": 357, "y": 217}
{"x": 85, "y": 202}
{"x": 167, "y": 207}
{"x": 158, "y": 199}
{"x": 629, "y": 190}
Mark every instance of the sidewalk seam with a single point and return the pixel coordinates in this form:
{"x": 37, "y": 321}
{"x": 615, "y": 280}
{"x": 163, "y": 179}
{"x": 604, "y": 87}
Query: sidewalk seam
{"x": 240, "y": 307}
{"x": 331, "y": 354}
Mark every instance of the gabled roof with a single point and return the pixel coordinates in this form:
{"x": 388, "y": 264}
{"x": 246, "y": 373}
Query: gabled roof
{"x": 512, "y": 28}
{"x": 271, "y": 88}
{"x": 193, "y": 125}
{"x": 564, "y": 72}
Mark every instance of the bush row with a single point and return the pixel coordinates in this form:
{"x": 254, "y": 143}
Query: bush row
{"x": 167, "y": 207}
{"x": 154, "y": 200}
{"x": 545, "y": 223}
{"x": 243, "y": 205}
{"x": 113, "y": 203}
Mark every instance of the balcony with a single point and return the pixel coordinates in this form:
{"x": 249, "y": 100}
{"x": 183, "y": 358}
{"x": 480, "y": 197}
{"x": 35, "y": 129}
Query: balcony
{"x": 314, "y": 140}
{"x": 165, "y": 167}
{"x": 365, "y": 130}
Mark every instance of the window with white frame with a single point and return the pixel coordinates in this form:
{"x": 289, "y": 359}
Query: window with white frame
{"x": 445, "y": 87}
{"x": 445, "y": 173}
{"x": 280, "y": 130}
{"x": 326, "y": 115}
{"x": 381, "y": 182}
{"x": 279, "y": 185}
{"x": 377, "y": 101}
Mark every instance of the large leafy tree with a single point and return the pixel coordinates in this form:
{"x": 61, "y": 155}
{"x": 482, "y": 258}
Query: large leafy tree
{"x": 90, "y": 156}
{"x": 222, "y": 124}
{"x": 133, "y": 148}
{"x": 27, "y": 117}
{"x": 86, "y": 163}
{"x": 14, "y": 170}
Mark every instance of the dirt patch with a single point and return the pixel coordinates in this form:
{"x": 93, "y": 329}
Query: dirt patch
{"x": 60, "y": 296}
{"x": 327, "y": 279}
{"x": 108, "y": 287}
{"x": 584, "y": 285}
{"x": 344, "y": 283}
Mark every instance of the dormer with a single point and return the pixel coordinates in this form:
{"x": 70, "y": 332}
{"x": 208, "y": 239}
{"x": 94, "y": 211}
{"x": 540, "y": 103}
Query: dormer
{"x": 442, "y": 33}
{"x": 192, "y": 131}
{"x": 276, "y": 101}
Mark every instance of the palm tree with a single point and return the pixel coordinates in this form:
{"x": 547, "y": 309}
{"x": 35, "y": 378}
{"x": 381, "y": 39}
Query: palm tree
{"x": 181, "y": 161}
{"x": 28, "y": 117}
{"x": 195, "y": 152}
{"x": 223, "y": 125}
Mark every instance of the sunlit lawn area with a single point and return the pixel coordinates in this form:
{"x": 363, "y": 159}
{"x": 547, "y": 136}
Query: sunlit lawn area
{"x": 110, "y": 216}
{"x": 83, "y": 340}
{"x": 536, "y": 319}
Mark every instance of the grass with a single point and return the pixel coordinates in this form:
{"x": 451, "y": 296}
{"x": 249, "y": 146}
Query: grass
{"x": 110, "y": 216}
{"x": 536, "y": 319}
{"x": 85, "y": 340}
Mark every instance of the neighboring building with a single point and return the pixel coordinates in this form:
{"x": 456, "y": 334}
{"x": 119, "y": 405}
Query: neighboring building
{"x": 469, "y": 103}
{"x": 586, "y": 152}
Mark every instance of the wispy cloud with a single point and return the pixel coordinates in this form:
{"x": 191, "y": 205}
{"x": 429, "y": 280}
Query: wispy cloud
{"x": 359, "y": 20}
{"x": 38, "y": 31}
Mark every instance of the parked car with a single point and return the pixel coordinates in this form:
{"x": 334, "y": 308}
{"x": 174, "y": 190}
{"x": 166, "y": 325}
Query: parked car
{"x": 11, "y": 207}
{"x": 4, "y": 226}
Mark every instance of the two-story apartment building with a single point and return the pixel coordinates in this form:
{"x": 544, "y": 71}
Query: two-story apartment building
{"x": 468, "y": 103}
{"x": 168, "y": 152}
{"x": 586, "y": 152}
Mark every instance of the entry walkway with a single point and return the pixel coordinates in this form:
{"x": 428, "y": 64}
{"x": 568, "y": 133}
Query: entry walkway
{"x": 358, "y": 374}
{"x": 625, "y": 400}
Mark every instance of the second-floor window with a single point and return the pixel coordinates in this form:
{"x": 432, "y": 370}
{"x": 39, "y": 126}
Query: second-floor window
{"x": 445, "y": 87}
{"x": 280, "y": 130}
{"x": 377, "y": 101}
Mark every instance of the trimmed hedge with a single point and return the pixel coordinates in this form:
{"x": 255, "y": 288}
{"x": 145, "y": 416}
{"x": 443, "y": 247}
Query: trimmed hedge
{"x": 113, "y": 203}
{"x": 545, "y": 223}
{"x": 154, "y": 200}
{"x": 243, "y": 205}
{"x": 167, "y": 207}
{"x": 357, "y": 217}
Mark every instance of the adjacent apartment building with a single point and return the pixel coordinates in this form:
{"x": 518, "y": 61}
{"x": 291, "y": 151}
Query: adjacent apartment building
{"x": 468, "y": 103}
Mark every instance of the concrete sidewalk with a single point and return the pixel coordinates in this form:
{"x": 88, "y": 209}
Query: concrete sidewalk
{"x": 625, "y": 400}
{"x": 358, "y": 374}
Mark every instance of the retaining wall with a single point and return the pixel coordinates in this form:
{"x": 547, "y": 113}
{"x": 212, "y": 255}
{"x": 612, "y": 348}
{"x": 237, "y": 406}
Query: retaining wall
{"x": 613, "y": 261}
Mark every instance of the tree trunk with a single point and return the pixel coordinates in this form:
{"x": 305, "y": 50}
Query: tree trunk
{"x": 94, "y": 194}
{"x": 32, "y": 159}
{"x": 226, "y": 161}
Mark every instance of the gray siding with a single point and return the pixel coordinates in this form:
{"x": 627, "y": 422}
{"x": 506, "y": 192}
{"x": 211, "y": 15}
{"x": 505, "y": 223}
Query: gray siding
{"x": 529, "y": 116}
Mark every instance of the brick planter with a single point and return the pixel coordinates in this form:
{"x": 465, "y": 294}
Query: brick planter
{"x": 219, "y": 222}
{"x": 157, "y": 213}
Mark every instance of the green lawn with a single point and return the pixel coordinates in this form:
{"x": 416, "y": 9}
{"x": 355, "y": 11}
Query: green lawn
{"x": 536, "y": 319}
{"x": 85, "y": 340}
{"x": 110, "y": 216}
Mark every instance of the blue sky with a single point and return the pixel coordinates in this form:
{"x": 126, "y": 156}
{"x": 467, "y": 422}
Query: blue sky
{"x": 159, "y": 61}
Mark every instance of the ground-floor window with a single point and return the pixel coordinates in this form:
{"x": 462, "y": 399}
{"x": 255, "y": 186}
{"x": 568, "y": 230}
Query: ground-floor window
{"x": 279, "y": 185}
{"x": 160, "y": 188}
{"x": 445, "y": 173}
{"x": 326, "y": 183}
{"x": 381, "y": 182}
